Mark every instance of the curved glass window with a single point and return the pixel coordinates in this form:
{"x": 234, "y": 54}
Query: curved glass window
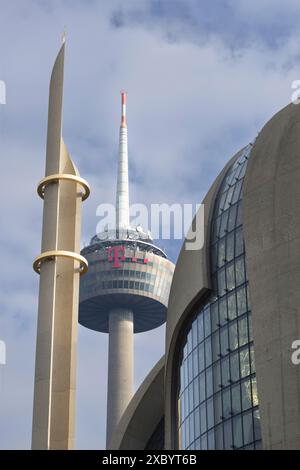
{"x": 217, "y": 393}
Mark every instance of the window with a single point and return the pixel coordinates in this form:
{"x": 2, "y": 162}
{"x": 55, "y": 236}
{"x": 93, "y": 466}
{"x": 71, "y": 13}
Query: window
{"x": 240, "y": 271}
{"x": 217, "y": 390}
{"x": 230, "y": 276}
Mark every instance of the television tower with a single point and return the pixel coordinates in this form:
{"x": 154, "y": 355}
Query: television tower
{"x": 126, "y": 290}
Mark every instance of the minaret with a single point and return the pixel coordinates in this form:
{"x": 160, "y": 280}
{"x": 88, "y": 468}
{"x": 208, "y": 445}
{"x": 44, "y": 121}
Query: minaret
{"x": 59, "y": 266}
{"x": 120, "y": 355}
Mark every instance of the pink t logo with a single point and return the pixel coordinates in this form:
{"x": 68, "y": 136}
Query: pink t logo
{"x": 114, "y": 255}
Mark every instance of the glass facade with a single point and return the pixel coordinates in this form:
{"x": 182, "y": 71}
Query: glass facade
{"x": 217, "y": 393}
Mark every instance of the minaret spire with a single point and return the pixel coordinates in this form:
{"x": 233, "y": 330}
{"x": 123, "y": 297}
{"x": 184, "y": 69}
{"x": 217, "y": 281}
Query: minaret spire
{"x": 122, "y": 202}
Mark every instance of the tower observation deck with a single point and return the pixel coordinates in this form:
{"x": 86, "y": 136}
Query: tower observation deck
{"x": 125, "y": 291}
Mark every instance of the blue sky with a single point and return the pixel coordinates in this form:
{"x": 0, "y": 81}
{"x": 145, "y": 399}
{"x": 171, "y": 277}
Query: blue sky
{"x": 202, "y": 79}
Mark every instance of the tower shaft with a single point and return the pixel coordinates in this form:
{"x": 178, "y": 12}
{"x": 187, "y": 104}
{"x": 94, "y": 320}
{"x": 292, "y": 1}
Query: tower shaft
{"x": 122, "y": 201}
{"x": 120, "y": 367}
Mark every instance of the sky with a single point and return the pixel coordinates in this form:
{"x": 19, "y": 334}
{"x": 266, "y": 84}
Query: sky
{"x": 202, "y": 79}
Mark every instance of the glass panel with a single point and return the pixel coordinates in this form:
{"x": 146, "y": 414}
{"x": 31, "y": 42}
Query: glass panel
{"x": 239, "y": 242}
{"x": 225, "y": 371}
{"x": 187, "y": 432}
{"x": 221, "y": 252}
{"x": 222, "y": 311}
{"x": 233, "y": 336}
{"x": 230, "y": 247}
{"x": 203, "y": 442}
{"x": 250, "y": 330}
{"x": 209, "y": 382}
{"x": 237, "y": 190}
{"x": 210, "y": 413}
{"x": 229, "y": 197}
{"x": 191, "y": 397}
{"x": 241, "y": 300}
{"x": 252, "y": 363}
{"x": 237, "y": 432}
{"x": 223, "y": 226}
{"x": 202, "y": 394}
{"x": 218, "y": 408}
{"x": 186, "y": 403}
{"x": 227, "y": 435}
{"x": 208, "y": 352}
{"x": 254, "y": 392}
{"x": 196, "y": 392}
{"x": 194, "y": 334}
{"x": 231, "y": 305}
{"x": 236, "y": 398}
{"x": 192, "y": 430}
{"x": 246, "y": 394}
{"x": 185, "y": 370}
{"x": 248, "y": 427}
{"x": 189, "y": 342}
{"x": 221, "y": 281}
{"x": 243, "y": 331}
{"x": 182, "y": 410}
{"x": 230, "y": 276}
{"x": 215, "y": 346}
{"x": 239, "y": 215}
{"x": 224, "y": 341}
{"x": 231, "y": 218}
{"x": 214, "y": 316}
{"x": 226, "y": 403}
{"x": 200, "y": 328}
{"x": 240, "y": 271}
{"x": 216, "y": 228}
{"x": 243, "y": 170}
{"x": 244, "y": 362}
{"x": 181, "y": 378}
{"x": 195, "y": 363}
{"x": 234, "y": 367}
{"x": 197, "y": 423}
{"x": 211, "y": 440}
{"x": 207, "y": 325}
{"x": 216, "y": 376}
{"x": 257, "y": 428}
{"x": 221, "y": 202}
{"x": 190, "y": 368}
{"x": 203, "y": 423}
{"x": 219, "y": 436}
{"x": 201, "y": 357}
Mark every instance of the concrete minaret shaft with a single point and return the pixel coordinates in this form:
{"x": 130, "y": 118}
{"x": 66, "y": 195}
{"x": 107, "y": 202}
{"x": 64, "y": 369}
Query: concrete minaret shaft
{"x": 121, "y": 327}
{"x": 59, "y": 268}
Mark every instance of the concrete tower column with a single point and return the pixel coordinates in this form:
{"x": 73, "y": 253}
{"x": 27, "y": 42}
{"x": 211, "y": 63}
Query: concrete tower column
{"x": 120, "y": 367}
